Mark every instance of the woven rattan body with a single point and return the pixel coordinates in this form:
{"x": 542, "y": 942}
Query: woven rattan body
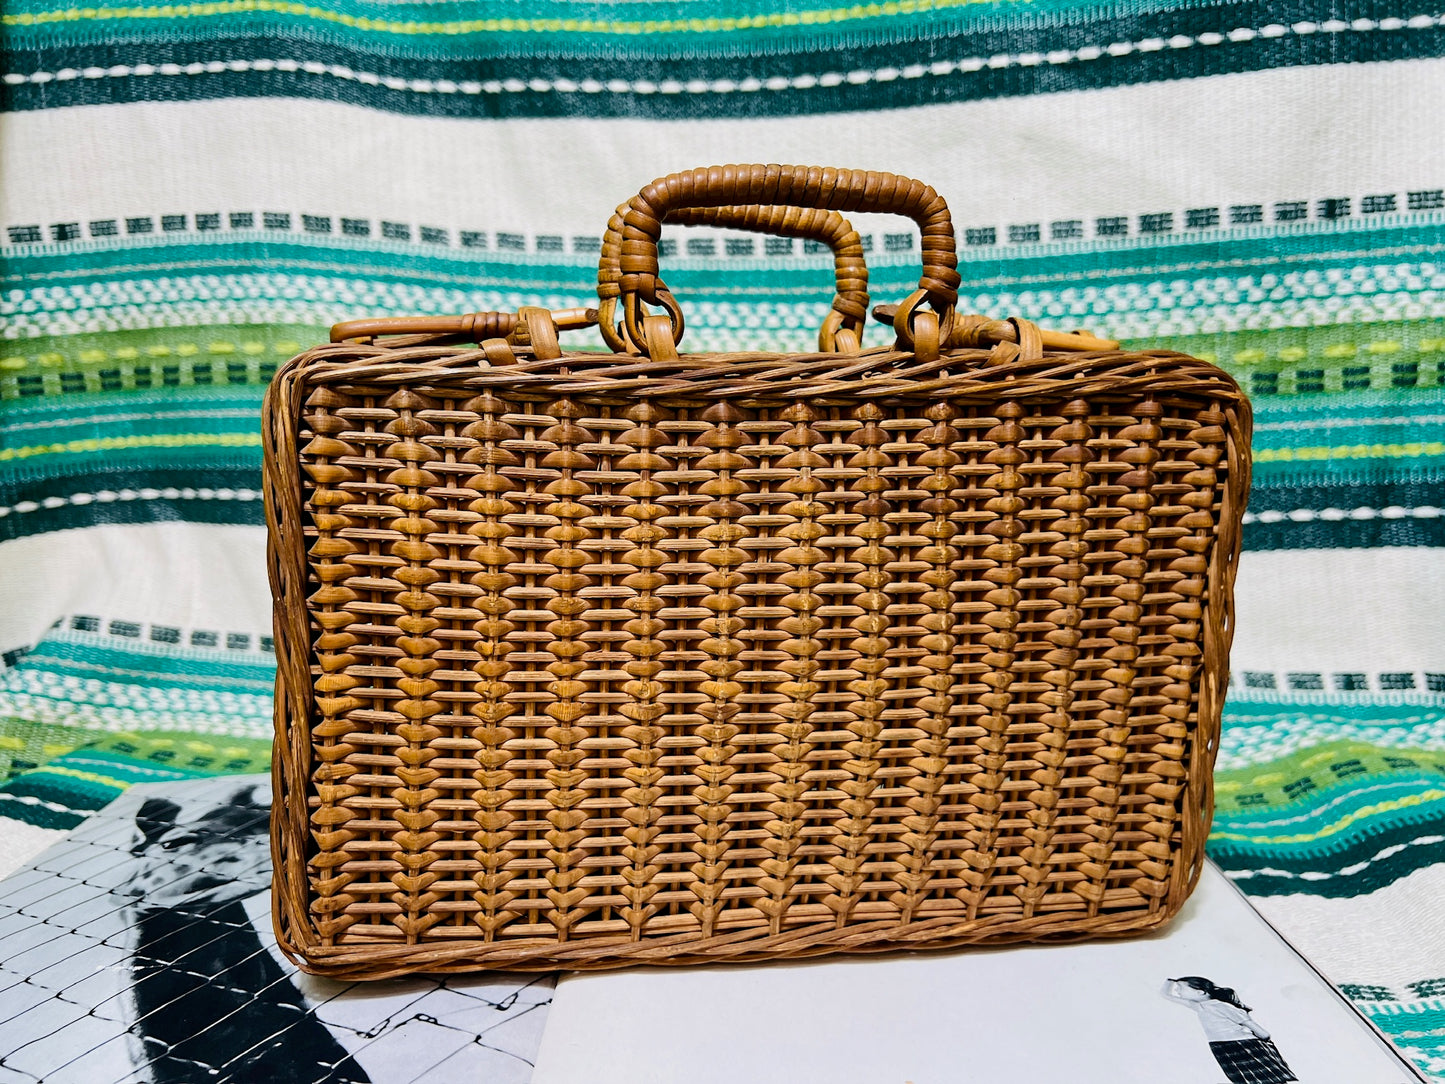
{"x": 575, "y": 678}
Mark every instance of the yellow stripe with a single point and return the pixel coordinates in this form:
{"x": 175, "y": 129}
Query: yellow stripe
{"x": 1363, "y": 813}
{"x": 493, "y": 26}
{"x": 1350, "y": 451}
{"x": 91, "y": 777}
{"x": 153, "y": 440}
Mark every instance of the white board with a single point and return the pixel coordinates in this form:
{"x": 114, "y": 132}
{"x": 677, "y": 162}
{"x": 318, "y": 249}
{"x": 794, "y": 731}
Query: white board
{"x": 1090, "y": 1013}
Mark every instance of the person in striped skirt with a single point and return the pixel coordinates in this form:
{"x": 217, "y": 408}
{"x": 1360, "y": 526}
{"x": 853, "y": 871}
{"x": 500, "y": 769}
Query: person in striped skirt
{"x": 1243, "y": 1049}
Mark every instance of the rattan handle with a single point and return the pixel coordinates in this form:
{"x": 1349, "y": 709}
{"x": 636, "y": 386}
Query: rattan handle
{"x": 843, "y": 329}
{"x": 636, "y": 281}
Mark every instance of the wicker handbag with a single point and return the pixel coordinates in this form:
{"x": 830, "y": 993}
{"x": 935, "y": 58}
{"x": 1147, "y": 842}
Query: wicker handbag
{"x": 589, "y": 659}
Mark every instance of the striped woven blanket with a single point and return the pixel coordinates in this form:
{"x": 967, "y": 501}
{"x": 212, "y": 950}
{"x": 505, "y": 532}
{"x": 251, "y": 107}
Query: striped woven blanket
{"x": 191, "y": 192}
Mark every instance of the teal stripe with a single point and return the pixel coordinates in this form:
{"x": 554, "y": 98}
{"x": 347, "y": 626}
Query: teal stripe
{"x": 1342, "y": 244}
{"x": 1416, "y": 834}
{"x": 640, "y": 25}
{"x": 48, "y": 420}
{"x": 889, "y": 64}
{"x": 1418, "y": 1030}
{"x": 84, "y": 659}
{"x": 66, "y": 790}
{"x": 1363, "y": 709}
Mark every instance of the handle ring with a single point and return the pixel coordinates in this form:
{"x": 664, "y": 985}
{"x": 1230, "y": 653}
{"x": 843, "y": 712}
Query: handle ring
{"x": 635, "y": 314}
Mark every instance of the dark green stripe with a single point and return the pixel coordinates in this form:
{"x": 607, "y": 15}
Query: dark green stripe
{"x": 38, "y": 815}
{"x": 69, "y": 516}
{"x": 66, "y": 475}
{"x": 244, "y": 473}
{"x": 67, "y": 790}
{"x": 1407, "y": 493}
{"x": 1376, "y": 875}
{"x": 655, "y": 62}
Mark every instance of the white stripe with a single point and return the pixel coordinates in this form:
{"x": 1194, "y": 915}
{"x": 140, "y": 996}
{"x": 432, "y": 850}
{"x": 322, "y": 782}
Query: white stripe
{"x": 21, "y": 841}
{"x": 1128, "y": 310}
{"x": 1404, "y": 913}
{"x": 804, "y": 81}
{"x": 87, "y": 709}
{"x": 108, "y": 496}
{"x": 1044, "y": 156}
{"x": 181, "y": 575}
{"x": 1339, "y": 515}
{"x": 1339, "y": 611}
{"x": 30, "y": 799}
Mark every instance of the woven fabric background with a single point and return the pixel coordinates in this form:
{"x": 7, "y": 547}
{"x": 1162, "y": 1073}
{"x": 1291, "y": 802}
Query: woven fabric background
{"x": 191, "y": 192}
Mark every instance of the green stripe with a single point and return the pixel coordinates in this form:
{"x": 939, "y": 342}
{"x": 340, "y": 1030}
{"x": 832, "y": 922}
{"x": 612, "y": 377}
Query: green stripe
{"x": 1364, "y": 810}
{"x": 161, "y": 751}
{"x": 1324, "y": 373}
{"x": 1299, "y": 781}
{"x": 151, "y": 360}
{"x": 27, "y": 744}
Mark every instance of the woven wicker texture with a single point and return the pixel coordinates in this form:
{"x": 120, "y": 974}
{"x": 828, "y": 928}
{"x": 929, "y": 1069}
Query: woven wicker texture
{"x": 587, "y": 660}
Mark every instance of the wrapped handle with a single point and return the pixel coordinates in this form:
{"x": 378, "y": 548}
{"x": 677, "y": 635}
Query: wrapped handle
{"x": 636, "y": 281}
{"x": 842, "y": 331}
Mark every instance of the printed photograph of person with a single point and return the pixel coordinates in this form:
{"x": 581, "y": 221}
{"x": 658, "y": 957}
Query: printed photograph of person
{"x": 1243, "y": 1049}
{"x": 207, "y": 995}
{"x": 140, "y": 950}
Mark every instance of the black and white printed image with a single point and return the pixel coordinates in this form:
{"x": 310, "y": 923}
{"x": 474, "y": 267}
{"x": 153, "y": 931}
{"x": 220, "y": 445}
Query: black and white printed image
{"x": 140, "y": 950}
{"x": 1243, "y": 1048}
{"x": 207, "y": 996}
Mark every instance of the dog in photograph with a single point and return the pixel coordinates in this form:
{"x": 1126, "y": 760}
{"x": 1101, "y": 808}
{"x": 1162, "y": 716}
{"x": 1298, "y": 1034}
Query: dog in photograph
{"x": 210, "y": 1001}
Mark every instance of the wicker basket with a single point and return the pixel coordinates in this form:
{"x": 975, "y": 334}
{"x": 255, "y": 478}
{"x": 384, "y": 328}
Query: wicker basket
{"x": 596, "y": 659}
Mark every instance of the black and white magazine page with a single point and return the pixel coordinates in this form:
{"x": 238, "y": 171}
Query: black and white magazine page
{"x": 139, "y": 949}
{"x": 1216, "y": 998}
